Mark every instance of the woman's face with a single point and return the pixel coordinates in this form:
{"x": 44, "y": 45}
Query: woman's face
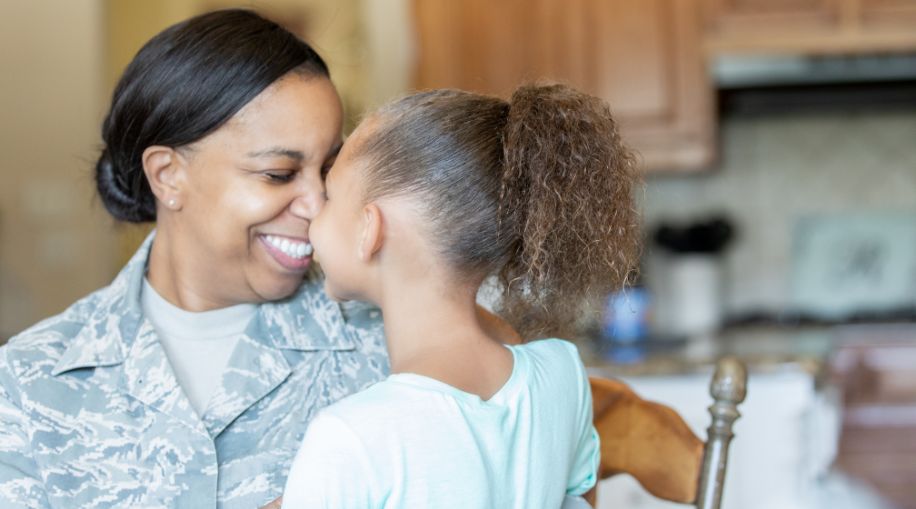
{"x": 251, "y": 189}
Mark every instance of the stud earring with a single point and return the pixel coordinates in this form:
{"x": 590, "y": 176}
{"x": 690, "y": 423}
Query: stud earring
{"x": 172, "y": 203}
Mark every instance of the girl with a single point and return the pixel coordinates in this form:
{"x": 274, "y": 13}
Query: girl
{"x": 428, "y": 197}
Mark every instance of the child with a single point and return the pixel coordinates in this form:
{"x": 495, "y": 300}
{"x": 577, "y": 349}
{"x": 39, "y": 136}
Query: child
{"x": 429, "y": 196}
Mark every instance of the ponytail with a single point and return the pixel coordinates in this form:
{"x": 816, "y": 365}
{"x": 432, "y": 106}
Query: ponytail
{"x": 537, "y": 191}
{"x": 567, "y": 203}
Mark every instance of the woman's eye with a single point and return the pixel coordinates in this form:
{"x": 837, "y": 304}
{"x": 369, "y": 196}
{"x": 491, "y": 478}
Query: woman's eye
{"x": 280, "y": 177}
{"x": 327, "y": 168}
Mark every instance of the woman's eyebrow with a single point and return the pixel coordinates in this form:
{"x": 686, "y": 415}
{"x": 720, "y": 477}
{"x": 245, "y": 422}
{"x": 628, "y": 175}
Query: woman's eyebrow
{"x": 297, "y": 155}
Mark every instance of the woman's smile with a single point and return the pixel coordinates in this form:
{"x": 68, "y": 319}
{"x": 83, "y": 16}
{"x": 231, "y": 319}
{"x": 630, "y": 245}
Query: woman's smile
{"x": 292, "y": 253}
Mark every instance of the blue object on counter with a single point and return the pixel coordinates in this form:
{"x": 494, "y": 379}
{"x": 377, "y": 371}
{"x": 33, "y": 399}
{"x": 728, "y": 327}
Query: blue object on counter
{"x": 626, "y": 315}
{"x": 626, "y": 325}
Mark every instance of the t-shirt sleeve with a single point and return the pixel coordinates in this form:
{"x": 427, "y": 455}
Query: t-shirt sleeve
{"x": 584, "y": 471}
{"x": 331, "y": 469}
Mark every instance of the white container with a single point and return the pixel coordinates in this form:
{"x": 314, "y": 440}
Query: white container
{"x": 687, "y": 289}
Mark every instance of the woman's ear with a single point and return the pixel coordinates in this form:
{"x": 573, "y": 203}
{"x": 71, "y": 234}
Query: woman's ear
{"x": 165, "y": 171}
{"x": 372, "y": 237}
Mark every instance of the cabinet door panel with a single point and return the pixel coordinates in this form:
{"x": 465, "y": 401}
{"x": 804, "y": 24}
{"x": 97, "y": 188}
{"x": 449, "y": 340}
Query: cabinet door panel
{"x": 634, "y": 59}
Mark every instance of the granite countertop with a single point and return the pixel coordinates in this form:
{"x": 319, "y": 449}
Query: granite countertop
{"x": 762, "y": 348}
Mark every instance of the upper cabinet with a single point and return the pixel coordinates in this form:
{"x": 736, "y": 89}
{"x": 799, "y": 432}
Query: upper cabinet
{"x": 647, "y": 58}
{"x": 644, "y": 57}
{"x": 809, "y": 26}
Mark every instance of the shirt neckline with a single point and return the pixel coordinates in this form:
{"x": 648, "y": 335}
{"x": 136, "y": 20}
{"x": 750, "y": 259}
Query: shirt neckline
{"x": 504, "y": 393}
{"x": 171, "y": 320}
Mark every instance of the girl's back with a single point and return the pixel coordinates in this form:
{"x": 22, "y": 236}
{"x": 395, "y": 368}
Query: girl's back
{"x": 428, "y": 198}
{"x": 423, "y": 443}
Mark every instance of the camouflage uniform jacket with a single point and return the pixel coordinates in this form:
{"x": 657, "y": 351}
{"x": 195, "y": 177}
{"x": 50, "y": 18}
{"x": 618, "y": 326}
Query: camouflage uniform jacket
{"x": 91, "y": 414}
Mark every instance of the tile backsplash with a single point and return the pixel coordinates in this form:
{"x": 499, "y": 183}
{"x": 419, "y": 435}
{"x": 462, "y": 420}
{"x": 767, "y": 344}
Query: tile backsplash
{"x": 777, "y": 170}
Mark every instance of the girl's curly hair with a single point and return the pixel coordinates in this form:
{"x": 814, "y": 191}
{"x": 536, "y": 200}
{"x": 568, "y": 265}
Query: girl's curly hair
{"x": 538, "y": 191}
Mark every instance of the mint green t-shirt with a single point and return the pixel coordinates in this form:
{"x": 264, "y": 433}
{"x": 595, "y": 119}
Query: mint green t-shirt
{"x": 414, "y": 442}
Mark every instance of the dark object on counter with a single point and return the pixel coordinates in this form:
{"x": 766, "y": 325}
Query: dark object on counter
{"x": 706, "y": 236}
{"x": 687, "y": 280}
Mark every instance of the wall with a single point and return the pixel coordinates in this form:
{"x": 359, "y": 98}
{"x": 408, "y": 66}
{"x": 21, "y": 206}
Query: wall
{"x": 55, "y": 242}
{"x": 776, "y": 170}
{"x": 366, "y": 43}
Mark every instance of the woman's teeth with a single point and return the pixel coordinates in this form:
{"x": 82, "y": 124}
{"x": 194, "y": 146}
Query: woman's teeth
{"x": 290, "y": 248}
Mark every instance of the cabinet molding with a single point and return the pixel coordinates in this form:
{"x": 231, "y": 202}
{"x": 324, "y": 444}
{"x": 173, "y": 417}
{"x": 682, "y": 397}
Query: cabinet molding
{"x": 809, "y": 26}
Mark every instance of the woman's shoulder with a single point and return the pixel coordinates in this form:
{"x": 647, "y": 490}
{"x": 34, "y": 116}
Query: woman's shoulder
{"x": 311, "y": 312}
{"x": 311, "y": 296}
{"x": 44, "y": 343}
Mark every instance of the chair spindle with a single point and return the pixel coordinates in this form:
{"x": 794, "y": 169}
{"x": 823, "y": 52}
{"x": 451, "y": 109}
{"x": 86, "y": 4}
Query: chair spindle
{"x": 728, "y": 389}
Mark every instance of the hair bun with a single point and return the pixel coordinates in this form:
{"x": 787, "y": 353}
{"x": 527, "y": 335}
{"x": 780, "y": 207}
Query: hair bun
{"x": 119, "y": 199}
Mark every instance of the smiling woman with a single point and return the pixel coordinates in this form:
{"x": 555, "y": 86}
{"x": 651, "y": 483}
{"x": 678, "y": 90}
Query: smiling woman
{"x": 261, "y": 175}
{"x": 190, "y": 380}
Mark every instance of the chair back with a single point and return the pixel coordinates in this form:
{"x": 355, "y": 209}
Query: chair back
{"x": 652, "y": 443}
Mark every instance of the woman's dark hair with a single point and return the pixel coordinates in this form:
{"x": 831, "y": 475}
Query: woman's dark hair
{"x": 538, "y": 190}
{"x": 182, "y": 85}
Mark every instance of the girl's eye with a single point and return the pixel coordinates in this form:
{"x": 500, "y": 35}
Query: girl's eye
{"x": 279, "y": 177}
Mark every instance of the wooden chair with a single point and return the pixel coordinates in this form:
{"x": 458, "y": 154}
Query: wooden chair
{"x": 652, "y": 443}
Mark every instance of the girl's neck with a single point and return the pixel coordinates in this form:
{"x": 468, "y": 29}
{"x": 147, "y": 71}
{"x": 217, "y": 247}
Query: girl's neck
{"x": 436, "y": 332}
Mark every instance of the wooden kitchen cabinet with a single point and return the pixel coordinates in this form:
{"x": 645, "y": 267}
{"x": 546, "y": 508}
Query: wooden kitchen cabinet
{"x": 808, "y": 26}
{"x": 643, "y": 56}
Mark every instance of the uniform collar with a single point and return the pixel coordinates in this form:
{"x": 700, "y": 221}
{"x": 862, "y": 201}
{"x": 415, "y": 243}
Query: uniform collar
{"x": 307, "y": 321}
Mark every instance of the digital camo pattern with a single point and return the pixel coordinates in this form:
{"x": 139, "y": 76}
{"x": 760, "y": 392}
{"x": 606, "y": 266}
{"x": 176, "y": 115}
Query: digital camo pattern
{"x": 92, "y": 416}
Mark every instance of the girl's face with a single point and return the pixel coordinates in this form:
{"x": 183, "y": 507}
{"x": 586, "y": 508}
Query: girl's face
{"x": 337, "y": 230}
{"x": 251, "y": 189}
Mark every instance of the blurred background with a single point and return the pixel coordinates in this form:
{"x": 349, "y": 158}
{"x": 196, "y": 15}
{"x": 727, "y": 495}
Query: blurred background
{"x": 778, "y": 140}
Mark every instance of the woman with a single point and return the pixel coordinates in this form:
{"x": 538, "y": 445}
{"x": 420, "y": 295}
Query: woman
{"x": 190, "y": 380}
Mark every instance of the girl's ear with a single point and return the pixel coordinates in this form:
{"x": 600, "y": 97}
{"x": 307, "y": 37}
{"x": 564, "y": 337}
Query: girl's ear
{"x": 372, "y": 237}
{"x": 165, "y": 171}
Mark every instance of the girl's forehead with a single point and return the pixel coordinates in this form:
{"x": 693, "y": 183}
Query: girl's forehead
{"x": 362, "y": 133}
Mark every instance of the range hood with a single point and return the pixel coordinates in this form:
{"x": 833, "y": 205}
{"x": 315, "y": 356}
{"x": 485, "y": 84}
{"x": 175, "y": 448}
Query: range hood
{"x": 765, "y": 83}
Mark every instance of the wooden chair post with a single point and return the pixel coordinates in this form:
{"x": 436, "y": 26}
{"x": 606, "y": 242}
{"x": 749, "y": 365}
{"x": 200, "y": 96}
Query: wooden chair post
{"x": 652, "y": 443}
{"x": 728, "y": 389}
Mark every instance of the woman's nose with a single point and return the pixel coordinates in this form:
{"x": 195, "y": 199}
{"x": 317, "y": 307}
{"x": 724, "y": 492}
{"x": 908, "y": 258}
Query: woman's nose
{"x": 308, "y": 200}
